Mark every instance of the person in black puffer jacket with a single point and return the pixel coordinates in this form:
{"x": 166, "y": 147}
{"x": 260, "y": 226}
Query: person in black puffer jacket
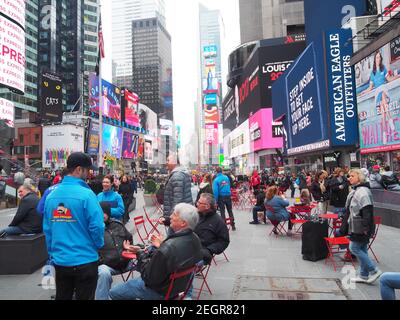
{"x": 126, "y": 192}
{"x": 211, "y": 229}
{"x": 260, "y": 206}
{"x": 111, "y": 262}
{"x": 339, "y": 187}
{"x": 180, "y": 251}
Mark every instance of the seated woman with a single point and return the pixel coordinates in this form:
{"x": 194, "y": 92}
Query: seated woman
{"x": 305, "y": 197}
{"x": 276, "y": 209}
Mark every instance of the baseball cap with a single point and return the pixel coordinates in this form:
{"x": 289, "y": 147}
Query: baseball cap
{"x": 376, "y": 167}
{"x": 80, "y": 159}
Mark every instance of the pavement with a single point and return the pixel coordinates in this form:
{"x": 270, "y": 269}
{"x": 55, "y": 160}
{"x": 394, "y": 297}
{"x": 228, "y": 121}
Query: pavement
{"x": 260, "y": 267}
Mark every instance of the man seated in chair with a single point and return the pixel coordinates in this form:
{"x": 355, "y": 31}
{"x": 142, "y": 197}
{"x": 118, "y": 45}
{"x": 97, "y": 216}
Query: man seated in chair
{"x": 179, "y": 251}
{"x": 211, "y": 229}
{"x": 111, "y": 262}
{"x": 26, "y": 220}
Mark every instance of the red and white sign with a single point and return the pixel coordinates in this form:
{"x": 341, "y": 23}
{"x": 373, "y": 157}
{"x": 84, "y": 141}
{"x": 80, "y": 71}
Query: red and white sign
{"x": 14, "y": 9}
{"x": 212, "y": 134}
{"x": 12, "y": 55}
{"x": 7, "y": 112}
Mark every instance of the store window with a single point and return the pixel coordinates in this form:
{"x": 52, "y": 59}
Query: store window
{"x": 396, "y": 162}
{"x": 370, "y": 160}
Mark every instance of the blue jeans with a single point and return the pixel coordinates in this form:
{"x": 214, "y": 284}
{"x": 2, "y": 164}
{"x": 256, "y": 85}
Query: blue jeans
{"x": 134, "y": 290}
{"x": 189, "y": 294}
{"x": 360, "y": 250}
{"x": 340, "y": 211}
{"x": 257, "y": 209}
{"x": 389, "y": 281}
{"x": 13, "y": 231}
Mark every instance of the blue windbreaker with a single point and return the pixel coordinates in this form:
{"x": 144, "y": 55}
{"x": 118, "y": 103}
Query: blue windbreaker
{"x": 221, "y": 186}
{"x": 115, "y": 201}
{"x": 40, "y": 206}
{"x": 73, "y": 224}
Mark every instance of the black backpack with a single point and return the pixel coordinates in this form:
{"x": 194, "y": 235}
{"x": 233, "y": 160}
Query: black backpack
{"x": 389, "y": 180}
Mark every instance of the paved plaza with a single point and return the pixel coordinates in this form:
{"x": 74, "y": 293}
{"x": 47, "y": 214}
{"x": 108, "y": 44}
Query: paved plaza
{"x": 261, "y": 267}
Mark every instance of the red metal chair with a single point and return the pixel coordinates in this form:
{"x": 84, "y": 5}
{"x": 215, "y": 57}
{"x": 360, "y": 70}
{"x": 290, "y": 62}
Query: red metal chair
{"x": 158, "y": 206}
{"x": 139, "y": 221}
{"x": 178, "y": 275}
{"x": 154, "y": 223}
{"x": 336, "y": 224}
{"x": 333, "y": 245}
{"x": 378, "y": 222}
{"x": 132, "y": 257}
{"x": 280, "y": 227}
{"x": 235, "y": 199}
{"x": 202, "y": 274}
{"x": 228, "y": 222}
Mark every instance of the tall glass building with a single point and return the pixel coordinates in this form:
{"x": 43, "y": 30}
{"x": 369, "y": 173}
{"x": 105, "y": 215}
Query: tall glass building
{"x": 123, "y": 13}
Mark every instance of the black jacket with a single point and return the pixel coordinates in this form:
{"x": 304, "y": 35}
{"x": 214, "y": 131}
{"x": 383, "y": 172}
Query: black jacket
{"x": 261, "y": 200}
{"x": 126, "y": 192}
{"x": 339, "y": 196}
{"x": 43, "y": 185}
{"x": 317, "y": 192}
{"x": 303, "y": 181}
{"x": 178, "y": 252}
{"x": 114, "y": 236}
{"x": 27, "y": 217}
{"x": 96, "y": 185}
{"x": 213, "y": 234}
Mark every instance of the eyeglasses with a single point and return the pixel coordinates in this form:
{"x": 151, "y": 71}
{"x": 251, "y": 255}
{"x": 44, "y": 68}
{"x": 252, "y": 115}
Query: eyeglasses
{"x": 206, "y": 204}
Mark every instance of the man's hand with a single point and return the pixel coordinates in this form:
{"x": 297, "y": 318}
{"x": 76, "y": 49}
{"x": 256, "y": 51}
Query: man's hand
{"x": 161, "y": 220}
{"x": 156, "y": 240}
{"x": 130, "y": 248}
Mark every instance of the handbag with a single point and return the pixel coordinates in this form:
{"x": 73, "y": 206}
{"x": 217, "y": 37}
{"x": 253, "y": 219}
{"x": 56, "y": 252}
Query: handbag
{"x": 358, "y": 225}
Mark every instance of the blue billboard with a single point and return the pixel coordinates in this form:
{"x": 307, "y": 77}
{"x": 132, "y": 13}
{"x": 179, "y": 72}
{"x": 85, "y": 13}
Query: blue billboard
{"x": 341, "y": 88}
{"x": 325, "y": 15}
{"x": 112, "y": 141}
{"x": 211, "y": 99}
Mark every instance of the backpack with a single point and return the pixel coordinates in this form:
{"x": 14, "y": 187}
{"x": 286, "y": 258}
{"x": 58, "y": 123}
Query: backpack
{"x": 389, "y": 180}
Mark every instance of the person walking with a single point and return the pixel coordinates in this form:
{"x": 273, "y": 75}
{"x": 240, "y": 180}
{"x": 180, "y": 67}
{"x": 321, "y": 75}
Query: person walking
{"x": 222, "y": 195}
{"x": 320, "y": 192}
{"x": 359, "y": 224}
{"x": 74, "y": 229}
{"x": 339, "y": 191}
{"x": 126, "y": 192}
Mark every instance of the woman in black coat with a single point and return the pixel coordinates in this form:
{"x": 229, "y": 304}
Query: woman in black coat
{"x": 339, "y": 186}
{"x": 126, "y": 192}
{"x": 205, "y": 186}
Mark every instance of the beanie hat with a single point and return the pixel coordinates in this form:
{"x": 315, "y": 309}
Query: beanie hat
{"x": 106, "y": 208}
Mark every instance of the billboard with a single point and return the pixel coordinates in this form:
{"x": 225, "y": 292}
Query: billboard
{"x": 378, "y": 97}
{"x": 211, "y": 114}
{"x": 147, "y": 119}
{"x": 210, "y": 84}
{"x": 166, "y": 127}
{"x": 111, "y": 98}
{"x": 211, "y": 134}
{"x": 7, "y": 114}
{"x": 130, "y": 145}
{"x": 93, "y": 138}
{"x": 298, "y": 96}
{"x": 237, "y": 143}
{"x": 59, "y": 142}
{"x": 51, "y": 106}
{"x": 112, "y": 141}
{"x": 148, "y": 151}
{"x": 211, "y": 99}
{"x": 262, "y": 133}
{"x": 341, "y": 88}
{"x": 12, "y": 45}
{"x": 325, "y": 15}
{"x": 210, "y": 51}
{"x": 130, "y": 108}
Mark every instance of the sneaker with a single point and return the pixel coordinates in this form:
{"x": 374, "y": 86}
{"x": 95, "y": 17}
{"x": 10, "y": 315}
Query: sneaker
{"x": 233, "y": 228}
{"x": 358, "y": 279}
{"x": 254, "y": 222}
{"x": 374, "y": 277}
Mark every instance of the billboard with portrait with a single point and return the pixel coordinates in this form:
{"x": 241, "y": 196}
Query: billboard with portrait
{"x": 93, "y": 138}
{"x": 130, "y": 145}
{"x": 211, "y": 131}
{"x": 111, "y": 98}
{"x": 130, "y": 108}
{"x": 12, "y": 45}
{"x": 378, "y": 97}
{"x": 112, "y": 141}
{"x": 210, "y": 83}
{"x": 51, "y": 106}
{"x": 166, "y": 127}
{"x": 148, "y": 151}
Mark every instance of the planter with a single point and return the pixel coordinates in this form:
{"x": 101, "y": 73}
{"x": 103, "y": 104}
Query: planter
{"x": 148, "y": 201}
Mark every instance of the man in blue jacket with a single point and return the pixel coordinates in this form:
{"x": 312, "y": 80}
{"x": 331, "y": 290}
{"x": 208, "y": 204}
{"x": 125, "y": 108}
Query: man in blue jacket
{"x": 222, "y": 195}
{"x": 73, "y": 224}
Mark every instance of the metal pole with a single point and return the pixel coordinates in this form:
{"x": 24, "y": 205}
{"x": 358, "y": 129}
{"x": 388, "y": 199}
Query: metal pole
{"x": 100, "y": 156}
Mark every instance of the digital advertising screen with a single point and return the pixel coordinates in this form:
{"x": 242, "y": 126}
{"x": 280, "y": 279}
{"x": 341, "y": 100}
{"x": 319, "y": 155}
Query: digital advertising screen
{"x": 111, "y": 98}
{"x": 210, "y": 83}
{"x": 130, "y": 108}
{"x": 112, "y": 140}
{"x": 210, "y": 51}
{"x": 93, "y": 138}
{"x": 148, "y": 151}
{"x": 130, "y": 145}
{"x": 211, "y": 114}
{"x": 166, "y": 127}
{"x": 51, "y": 105}
{"x": 7, "y": 112}
{"x": 378, "y": 99}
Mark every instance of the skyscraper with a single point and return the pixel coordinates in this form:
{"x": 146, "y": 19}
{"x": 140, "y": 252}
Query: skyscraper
{"x": 123, "y": 13}
{"x": 264, "y": 19}
{"x": 68, "y": 43}
{"x": 210, "y": 24}
{"x": 152, "y": 66}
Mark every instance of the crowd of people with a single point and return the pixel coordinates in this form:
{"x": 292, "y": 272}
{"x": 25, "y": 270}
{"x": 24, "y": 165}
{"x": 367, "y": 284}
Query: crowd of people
{"x": 83, "y": 217}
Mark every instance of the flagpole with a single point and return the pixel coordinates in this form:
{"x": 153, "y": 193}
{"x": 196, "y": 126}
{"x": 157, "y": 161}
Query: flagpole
{"x": 100, "y": 157}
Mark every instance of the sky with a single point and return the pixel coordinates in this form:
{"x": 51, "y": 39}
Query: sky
{"x": 182, "y": 24}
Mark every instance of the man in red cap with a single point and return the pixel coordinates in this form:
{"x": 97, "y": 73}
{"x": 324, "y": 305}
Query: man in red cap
{"x": 375, "y": 178}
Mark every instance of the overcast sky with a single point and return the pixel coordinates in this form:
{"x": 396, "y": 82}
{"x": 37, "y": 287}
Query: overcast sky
{"x": 182, "y": 20}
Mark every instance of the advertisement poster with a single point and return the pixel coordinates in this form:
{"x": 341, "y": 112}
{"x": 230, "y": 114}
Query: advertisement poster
{"x": 210, "y": 84}
{"x": 59, "y": 142}
{"x": 166, "y": 127}
{"x": 210, "y": 51}
{"x": 112, "y": 141}
{"x": 212, "y": 134}
{"x": 211, "y": 114}
{"x": 130, "y": 145}
{"x": 51, "y": 106}
{"x": 238, "y": 143}
{"x": 378, "y": 96}
{"x": 211, "y": 99}
{"x": 130, "y": 108}
{"x": 7, "y": 112}
{"x": 261, "y": 132}
{"x": 148, "y": 151}
{"x": 12, "y": 45}
{"x": 93, "y": 138}
{"x": 111, "y": 97}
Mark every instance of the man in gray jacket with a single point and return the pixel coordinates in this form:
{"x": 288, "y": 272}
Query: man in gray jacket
{"x": 178, "y": 188}
{"x": 375, "y": 179}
